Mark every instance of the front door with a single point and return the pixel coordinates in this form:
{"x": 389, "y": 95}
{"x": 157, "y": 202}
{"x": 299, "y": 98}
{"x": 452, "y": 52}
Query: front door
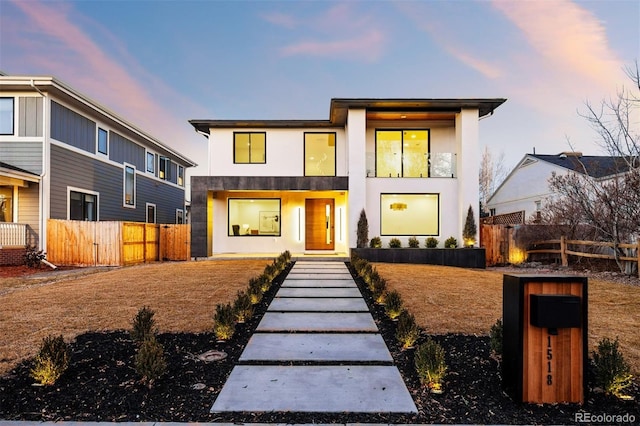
{"x": 319, "y": 224}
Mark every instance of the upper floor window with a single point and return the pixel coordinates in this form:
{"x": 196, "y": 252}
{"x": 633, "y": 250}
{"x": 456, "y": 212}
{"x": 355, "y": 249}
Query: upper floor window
{"x": 402, "y": 153}
{"x": 249, "y": 148}
{"x": 103, "y": 141}
{"x": 83, "y": 205}
{"x": 6, "y": 116}
{"x": 319, "y": 154}
{"x": 151, "y": 162}
{"x": 180, "y": 175}
{"x": 129, "y": 185}
{"x": 165, "y": 168}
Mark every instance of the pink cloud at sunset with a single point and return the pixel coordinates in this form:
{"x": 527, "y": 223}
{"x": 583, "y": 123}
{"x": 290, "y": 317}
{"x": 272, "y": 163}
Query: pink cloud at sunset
{"x": 366, "y": 46}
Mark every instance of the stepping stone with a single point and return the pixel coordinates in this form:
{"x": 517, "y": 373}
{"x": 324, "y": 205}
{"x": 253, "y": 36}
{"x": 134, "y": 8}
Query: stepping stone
{"x": 316, "y": 347}
{"x": 314, "y": 304}
{"x": 320, "y": 271}
{"x": 292, "y": 282}
{"x": 319, "y": 263}
{"x": 329, "y": 389}
{"x": 317, "y": 321}
{"x": 316, "y": 276}
{"x": 319, "y": 292}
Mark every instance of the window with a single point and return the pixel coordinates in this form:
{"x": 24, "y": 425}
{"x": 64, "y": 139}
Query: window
{"x": 249, "y": 148}
{"x": 179, "y": 216}
{"x": 402, "y": 153}
{"x": 319, "y": 154}
{"x": 129, "y": 185}
{"x": 6, "y": 116}
{"x": 254, "y": 216}
{"x": 165, "y": 168}
{"x": 409, "y": 214}
{"x": 151, "y": 162}
{"x": 103, "y": 138}
{"x": 151, "y": 213}
{"x": 6, "y": 209}
{"x": 180, "y": 175}
{"x": 83, "y": 205}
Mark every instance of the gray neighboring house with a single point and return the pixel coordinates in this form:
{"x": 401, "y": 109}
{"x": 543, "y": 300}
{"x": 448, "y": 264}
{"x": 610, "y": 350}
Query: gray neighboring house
{"x": 64, "y": 156}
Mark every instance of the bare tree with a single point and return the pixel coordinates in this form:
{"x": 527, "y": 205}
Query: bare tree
{"x": 492, "y": 173}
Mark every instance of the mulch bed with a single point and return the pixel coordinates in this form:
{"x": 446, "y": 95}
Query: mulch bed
{"x": 101, "y": 384}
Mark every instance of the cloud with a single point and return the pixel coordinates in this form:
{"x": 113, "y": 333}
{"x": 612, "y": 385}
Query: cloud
{"x": 366, "y": 46}
{"x": 281, "y": 20}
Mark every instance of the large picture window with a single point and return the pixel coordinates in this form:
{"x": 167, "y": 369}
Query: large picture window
{"x": 83, "y": 206}
{"x": 254, "y": 217}
{"x": 409, "y": 214}
{"x": 6, "y": 116}
{"x": 249, "y": 148}
{"x": 319, "y": 154}
{"x": 402, "y": 153}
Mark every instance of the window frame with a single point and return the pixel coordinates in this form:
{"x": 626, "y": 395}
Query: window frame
{"x": 180, "y": 179}
{"x": 229, "y": 224}
{"x": 83, "y": 191}
{"x": 402, "y": 158}
{"x": 438, "y": 214}
{"x": 164, "y": 168}
{"x": 13, "y": 115}
{"x": 335, "y": 152}
{"x": 132, "y": 204}
{"x": 155, "y": 212}
{"x": 235, "y": 160}
{"x": 154, "y": 163}
{"x": 180, "y": 217}
{"x": 100, "y": 131}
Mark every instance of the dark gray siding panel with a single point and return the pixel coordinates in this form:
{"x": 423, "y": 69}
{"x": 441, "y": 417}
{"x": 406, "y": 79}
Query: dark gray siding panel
{"x": 94, "y": 175}
{"x": 122, "y": 150}
{"x": 25, "y": 155}
{"x": 72, "y": 128}
{"x": 30, "y": 116}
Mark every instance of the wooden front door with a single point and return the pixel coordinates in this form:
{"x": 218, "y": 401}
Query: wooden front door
{"x": 319, "y": 224}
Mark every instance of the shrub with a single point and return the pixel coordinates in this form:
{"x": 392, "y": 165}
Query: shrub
{"x": 611, "y": 371}
{"x": 470, "y": 229}
{"x": 395, "y": 243}
{"x": 265, "y": 283}
{"x": 270, "y": 272}
{"x": 375, "y": 242}
{"x": 365, "y": 272}
{"x": 413, "y": 242}
{"x": 374, "y": 277}
{"x": 242, "y": 307}
{"x": 143, "y": 325}
{"x": 451, "y": 243}
{"x": 362, "y": 230}
{"x": 359, "y": 265}
{"x": 379, "y": 289}
{"x": 431, "y": 242}
{"x": 407, "y": 332}
{"x": 393, "y": 304}
{"x": 495, "y": 337}
{"x": 224, "y": 322}
{"x": 150, "y": 362}
{"x": 255, "y": 290}
{"x": 52, "y": 360}
{"x": 430, "y": 365}
{"x": 33, "y": 257}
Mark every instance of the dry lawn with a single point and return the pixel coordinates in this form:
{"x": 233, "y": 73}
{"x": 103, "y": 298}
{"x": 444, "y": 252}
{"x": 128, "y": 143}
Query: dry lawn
{"x": 184, "y": 296}
{"x": 455, "y": 300}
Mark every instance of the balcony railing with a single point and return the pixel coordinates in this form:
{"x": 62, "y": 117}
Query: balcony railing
{"x": 13, "y": 234}
{"x": 439, "y": 165}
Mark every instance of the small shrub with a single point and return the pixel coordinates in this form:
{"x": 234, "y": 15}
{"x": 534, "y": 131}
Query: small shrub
{"x": 413, "y": 242}
{"x": 431, "y": 242}
{"x": 430, "y": 365}
{"x": 393, "y": 304}
{"x": 470, "y": 229}
{"x": 52, "y": 360}
{"x": 365, "y": 272}
{"x": 224, "y": 322}
{"x": 255, "y": 290}
{"x": 611, "y": 372}
{"x": 451, "y": 243}
{"x": 359, "y": 265}
{"x": 33, "y": 257}
{"x": 362, "y": 230}
{"x": 265, "y": 283}
{"x": 395, "y": 243}
{"x": 375, "y": 242}
{"x": 495, "y": 337}
{"x": 143, "y": 325}
{"x": 150, "y": 362}
{"x": 270, "y": 271}
{"x": 242, "y": 307}
{"x": 379, "y": 290}
{"x": 407, "y": 332}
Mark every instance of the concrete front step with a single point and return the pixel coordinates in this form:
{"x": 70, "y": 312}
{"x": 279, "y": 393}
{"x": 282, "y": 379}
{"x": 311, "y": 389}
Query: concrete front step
{"x": 322, "y": 292}
{"x": 314, "y": 304}
{"x": 357, "y": 347}
{"x": 328, "y": 389}
{"x": 318, "y": 321}
{"x": 299, "y": 282}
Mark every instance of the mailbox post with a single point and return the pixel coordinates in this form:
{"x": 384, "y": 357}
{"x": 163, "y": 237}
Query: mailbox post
{"x": 545, "y": 344}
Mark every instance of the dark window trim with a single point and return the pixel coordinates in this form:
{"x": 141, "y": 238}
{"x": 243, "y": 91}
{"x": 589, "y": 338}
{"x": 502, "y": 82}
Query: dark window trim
{"x": 229, "y": 234}
{"x": 250, "y": 133}
{"x": 13, "y": 115}
{"x": 437, "y": 194}
{"x": 428, "y": 130}
{"x": 335, "y": 152}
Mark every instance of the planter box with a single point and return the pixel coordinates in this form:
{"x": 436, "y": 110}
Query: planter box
{"x": 461, "y": 257}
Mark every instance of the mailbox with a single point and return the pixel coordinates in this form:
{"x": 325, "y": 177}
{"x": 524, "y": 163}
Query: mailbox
{"x": 545, "y": 338}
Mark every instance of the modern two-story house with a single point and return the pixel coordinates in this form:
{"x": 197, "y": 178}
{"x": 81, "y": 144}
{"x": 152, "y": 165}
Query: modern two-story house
{"x": 64, "y": 156}
{"x": 300, "y": 185}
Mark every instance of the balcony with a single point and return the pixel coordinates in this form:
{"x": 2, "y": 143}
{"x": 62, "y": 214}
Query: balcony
{"x": 437, "y": 165}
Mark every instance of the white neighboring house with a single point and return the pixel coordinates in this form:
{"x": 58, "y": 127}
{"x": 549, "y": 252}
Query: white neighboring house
{"x": 526, "y": 188}
{"x": 300, "y": 185}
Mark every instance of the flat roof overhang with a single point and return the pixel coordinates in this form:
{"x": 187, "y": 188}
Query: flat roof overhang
{"x": 269, "y": 183}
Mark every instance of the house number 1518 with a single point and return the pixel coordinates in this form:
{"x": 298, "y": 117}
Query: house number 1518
{"x": 549, "y": 358}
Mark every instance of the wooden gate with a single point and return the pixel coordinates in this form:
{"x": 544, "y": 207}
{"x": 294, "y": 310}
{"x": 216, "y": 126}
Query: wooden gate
{"x": 175, "y": 242}
{"x": 499, "y": 244}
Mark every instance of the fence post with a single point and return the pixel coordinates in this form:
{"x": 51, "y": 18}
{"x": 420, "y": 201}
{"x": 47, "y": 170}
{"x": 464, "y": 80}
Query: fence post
{"x": 563, "y": 250}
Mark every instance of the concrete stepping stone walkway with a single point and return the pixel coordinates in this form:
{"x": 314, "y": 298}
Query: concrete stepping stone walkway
{"x": 316, "y": 349}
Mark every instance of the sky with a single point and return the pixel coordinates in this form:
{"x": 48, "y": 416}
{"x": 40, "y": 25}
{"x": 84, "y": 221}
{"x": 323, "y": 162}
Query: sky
{"x": 161, "y": 63}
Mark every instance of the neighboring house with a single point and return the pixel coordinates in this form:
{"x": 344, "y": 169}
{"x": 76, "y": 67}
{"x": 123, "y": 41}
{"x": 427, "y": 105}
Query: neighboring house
{"x": 63, "y": 156}
{"x": 300, "y": 185}
{"x": 526, "y": 188}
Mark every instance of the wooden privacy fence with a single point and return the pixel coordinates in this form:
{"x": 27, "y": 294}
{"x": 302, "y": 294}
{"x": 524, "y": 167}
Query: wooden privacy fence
{"x": 500, "y": 246}
{"x": 110, "y": 243}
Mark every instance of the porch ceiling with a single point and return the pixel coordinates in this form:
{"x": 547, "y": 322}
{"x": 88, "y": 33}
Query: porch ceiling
{"x": 269, "y": 183}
